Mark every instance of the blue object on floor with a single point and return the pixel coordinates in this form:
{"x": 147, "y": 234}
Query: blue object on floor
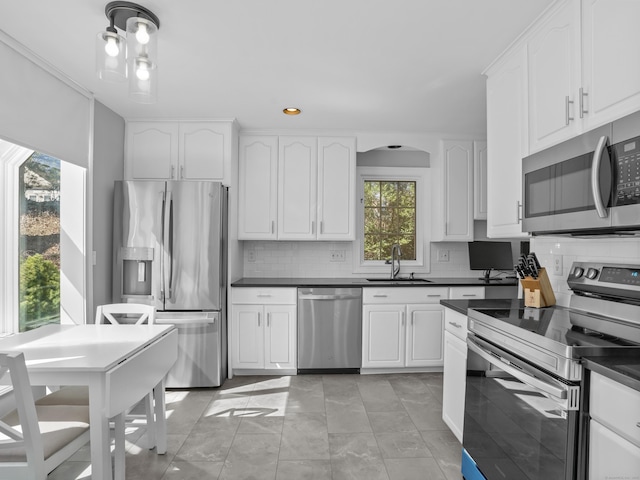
{"x": 469, "y": 468}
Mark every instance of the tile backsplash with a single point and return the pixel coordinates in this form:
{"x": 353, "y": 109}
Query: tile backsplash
{"x": 569, "y": 250}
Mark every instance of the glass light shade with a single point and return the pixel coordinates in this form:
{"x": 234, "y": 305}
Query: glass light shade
{"x": 143, "y": 80}
{"x": 111, "y": 57}
{"x": 142, "y": 38}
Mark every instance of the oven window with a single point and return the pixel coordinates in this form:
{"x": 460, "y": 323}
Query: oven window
{"x": 513, "y": 431}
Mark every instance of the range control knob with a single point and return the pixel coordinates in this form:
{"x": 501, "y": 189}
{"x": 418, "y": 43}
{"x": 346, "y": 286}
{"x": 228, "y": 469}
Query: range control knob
{"x": 592, "y": 273}
{"x": 578, "y": 272}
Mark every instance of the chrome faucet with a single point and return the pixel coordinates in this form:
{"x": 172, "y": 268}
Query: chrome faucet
{"x": 395, "y": 269}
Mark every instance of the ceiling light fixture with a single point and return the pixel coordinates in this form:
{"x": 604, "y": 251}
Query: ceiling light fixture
{"x": 135, "y": 58}
{"x": 292, "y": 111}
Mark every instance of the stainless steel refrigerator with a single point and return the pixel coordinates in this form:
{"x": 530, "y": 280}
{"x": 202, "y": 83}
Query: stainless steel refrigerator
{"x": 169, "y": 242}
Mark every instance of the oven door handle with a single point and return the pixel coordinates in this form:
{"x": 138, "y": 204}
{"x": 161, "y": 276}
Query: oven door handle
{"x": 550, "y": 386}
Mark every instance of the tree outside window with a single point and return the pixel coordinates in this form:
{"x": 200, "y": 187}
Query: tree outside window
{"x": 39, "y": 241}
{"x": 389, "y": 217}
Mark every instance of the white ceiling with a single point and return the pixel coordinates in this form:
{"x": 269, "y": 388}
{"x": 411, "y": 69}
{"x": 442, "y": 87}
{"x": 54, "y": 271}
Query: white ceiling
{"x": 410, "y": 66}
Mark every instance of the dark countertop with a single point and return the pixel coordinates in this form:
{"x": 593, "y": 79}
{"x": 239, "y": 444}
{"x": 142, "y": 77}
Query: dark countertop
{"x": 362, "y": 282}
{"x": 624, "y": 369}
{"x": 461, "y": 306}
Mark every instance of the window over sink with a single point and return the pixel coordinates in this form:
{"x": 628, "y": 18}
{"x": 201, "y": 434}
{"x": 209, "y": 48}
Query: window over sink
{"x": 393, "y": 207}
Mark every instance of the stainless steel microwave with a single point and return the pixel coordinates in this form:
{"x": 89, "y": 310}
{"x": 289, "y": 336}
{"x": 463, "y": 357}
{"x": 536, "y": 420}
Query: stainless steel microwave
{"x": 589, "y": 184}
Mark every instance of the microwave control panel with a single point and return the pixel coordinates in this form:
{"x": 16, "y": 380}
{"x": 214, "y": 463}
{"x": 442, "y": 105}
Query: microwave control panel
{"x": 626, "y": 156}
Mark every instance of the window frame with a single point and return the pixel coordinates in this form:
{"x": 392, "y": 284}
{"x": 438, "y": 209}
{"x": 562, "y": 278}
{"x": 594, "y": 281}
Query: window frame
{"x": 422, "y": 178}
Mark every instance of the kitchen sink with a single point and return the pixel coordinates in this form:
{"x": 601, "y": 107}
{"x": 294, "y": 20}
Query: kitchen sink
{"x": 399, "y": 280}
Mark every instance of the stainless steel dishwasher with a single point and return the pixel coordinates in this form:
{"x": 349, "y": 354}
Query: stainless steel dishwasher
{"x": 329, "y": 330}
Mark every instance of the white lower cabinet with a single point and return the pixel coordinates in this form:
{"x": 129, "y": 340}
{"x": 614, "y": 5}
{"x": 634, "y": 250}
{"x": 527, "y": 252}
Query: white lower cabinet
{"x": 402, "y": 327}
{"x": 614, "y": 432}
{"x": 455, "y": 370}
{"x": 263, "y": 329}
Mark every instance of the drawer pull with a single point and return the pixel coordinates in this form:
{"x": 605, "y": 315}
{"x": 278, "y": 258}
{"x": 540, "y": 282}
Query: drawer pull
{"x": 264, "y": 295}
{"x": 469, "y": 295}
{"x": 434, "y": 296}
{"x": 380, "y": 296}
{"x": 454, "y": 324}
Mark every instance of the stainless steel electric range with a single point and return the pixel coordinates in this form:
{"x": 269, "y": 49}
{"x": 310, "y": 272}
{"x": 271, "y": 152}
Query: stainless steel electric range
{"x": 522, "y": 408}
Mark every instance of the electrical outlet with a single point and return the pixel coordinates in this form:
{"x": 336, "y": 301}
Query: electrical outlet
{"x": 338, "y": 255}
{"x": 251, "y": 256}
{"x": 557, "y": 265}
{"x": 443, "y": 255}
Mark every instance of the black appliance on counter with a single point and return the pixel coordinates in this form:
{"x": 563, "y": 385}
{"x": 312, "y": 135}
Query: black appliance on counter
{"x": 522, "y": 414}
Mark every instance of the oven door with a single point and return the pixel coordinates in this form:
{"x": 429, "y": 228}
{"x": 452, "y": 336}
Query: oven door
{"x": 519, "y": 422}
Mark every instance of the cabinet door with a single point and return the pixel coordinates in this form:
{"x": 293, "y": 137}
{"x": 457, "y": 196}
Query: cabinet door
{"x": 336, "y": 188}
{"x": 479, "y": 180}
{"x": 203, "y": 150}
{"x": 554, "y": 68}
{"x": 610, "y": 455}
{"x": 383, "y": 339}
{"x": 297, "y": 188}
{"x": 152, "y": 151}
{"x": 280, "y": 336}
{"x": 506, "y": 145}
{"x": 453, "y": 383}
{"x": 247, "y": 330}
{"x": 425, "y": 327}
{"x": 610, "y": 70}
{"x": 458, "y": 190}
{"x": 257, "y": 188}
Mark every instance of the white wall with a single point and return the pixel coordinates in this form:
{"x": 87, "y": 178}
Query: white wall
{"x": 614, "y": 250}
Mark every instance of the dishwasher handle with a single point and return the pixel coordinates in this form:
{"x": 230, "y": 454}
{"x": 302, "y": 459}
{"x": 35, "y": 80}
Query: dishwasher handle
{"x": 328, "y": 297}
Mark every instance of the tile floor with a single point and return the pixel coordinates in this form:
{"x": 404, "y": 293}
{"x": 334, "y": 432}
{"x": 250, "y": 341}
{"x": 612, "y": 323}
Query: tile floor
{"x": 301, "y": 427}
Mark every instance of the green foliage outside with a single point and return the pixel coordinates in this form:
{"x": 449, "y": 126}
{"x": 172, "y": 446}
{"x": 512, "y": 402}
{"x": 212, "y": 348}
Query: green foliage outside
{"x": 389, "y": 217}
{"x": 39, "y": 292}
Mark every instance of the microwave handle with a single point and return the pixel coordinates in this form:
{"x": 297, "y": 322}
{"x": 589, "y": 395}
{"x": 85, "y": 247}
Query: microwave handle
{"x": 601, "y": 148}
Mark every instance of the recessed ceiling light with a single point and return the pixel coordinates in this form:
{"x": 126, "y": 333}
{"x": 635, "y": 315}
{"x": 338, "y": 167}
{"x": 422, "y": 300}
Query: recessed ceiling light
{"x": 291, "y": 111}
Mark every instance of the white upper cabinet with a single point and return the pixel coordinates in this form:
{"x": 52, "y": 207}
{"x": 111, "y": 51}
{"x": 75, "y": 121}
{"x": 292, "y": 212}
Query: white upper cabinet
{"x": 453, "y": 217}
{"x": 179, "y": 151}
{"x": 479, "y": 180}
{"x": 610, "y": 66}
{"x": 258, "y": 188}
{"x": 506, "y": 144}
{"x": 336, "y": 188}
{"x": 554, "y": 78}
{"x": 297, "y": 188}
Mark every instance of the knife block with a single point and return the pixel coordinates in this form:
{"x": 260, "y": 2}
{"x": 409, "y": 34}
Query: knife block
{"x": 537, "y": 291}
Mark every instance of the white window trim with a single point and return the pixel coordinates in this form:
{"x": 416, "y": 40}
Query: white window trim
{"x": 422, "y": 177}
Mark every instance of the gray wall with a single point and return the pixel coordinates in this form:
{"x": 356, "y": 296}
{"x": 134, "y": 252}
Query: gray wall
{"x": 108, "y": 166}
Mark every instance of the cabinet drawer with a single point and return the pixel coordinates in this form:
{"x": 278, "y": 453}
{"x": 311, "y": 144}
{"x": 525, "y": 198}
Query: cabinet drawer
{"x": 404, "y": 295}
{"x": 616, "y": 406}
{"x": 264, "y": 296}
{"x": 465, "y": 293}
{"x": 455, "y": 323}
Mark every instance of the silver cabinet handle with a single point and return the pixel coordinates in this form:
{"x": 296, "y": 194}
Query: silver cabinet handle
{"x": 313, "y": 227}
{"x": 380, "y": 296}
{"x": 258, "y": 319}
{"x": 454, "y": 324}
{"x": 402, "y": 317}
{"x": 264, "y": 295}
{"x": 567, "y": 103}
{"x": 173, "y": 171}
{"x": 268, "y": 319}
{"x": 181, "y": 171}
{"x": 518, "y": 211}
{"x": 601, "y": 149}
{"x": 433, "y": 295}
{"x": 582, "y": 94}
{"x": 273, "y": 223}
{"x": 413, "y": 315}
{"x": 469, "y": 295}
{"x": 321, "y": 226}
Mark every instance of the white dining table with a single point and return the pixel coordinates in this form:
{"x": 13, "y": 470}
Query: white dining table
{"x": 119, "y": 363}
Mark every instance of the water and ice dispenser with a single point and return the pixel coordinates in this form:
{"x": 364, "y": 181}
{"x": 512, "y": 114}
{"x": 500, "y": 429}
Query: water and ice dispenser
{"x": 137, "y": 271}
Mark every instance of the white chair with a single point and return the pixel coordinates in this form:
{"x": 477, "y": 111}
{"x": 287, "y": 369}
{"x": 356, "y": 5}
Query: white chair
{"x": 35, "y": 439}
{"x": 116, "y": 313}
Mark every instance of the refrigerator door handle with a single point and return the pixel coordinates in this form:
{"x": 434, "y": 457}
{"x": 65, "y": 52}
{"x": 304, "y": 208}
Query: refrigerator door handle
{"x": 167, "y": 246}
{"x": 161, "y": 214}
